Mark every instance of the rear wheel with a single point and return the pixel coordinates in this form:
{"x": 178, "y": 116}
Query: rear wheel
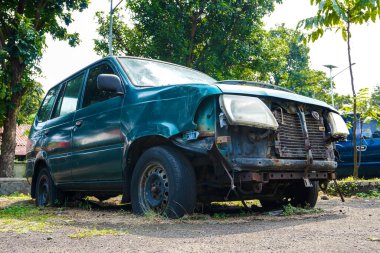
{"x": 47, "y": 193}
{"x": 305, "y": 196}
{"x": 163, "y": 182}
{"x": 297, "y": 195}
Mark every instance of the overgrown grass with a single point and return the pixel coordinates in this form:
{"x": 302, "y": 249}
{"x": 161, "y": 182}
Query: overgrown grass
{"x": 352, "y": 179}
{"x": 370, "y": 194}
{"x": 16, "y": 195}
{"x": 356, "y": 187}
{"x": 87, "y": 233}
{"x": 289, "y": 210}
{"x": 23, "y": 219}
{"x": 238, "y": 203}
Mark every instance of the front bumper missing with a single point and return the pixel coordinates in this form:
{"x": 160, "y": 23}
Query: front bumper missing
{"x": 264, "y": 164}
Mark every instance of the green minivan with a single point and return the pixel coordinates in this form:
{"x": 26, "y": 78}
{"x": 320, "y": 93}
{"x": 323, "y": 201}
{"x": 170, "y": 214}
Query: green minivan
{"x": 167, "y": 137}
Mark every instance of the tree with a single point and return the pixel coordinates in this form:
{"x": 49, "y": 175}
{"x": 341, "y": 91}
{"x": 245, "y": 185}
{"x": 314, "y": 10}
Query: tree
{"x": 366, "y": 111}
{"x": 284, "y": 60}
{"x": 23, "y": 27}
{"x": 376, "y": 96}
{"x": 340, "y": 16}
{"x": 211, "y": 36}
{"x": 159, "y": 31}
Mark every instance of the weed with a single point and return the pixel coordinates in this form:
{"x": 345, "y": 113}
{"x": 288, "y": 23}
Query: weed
{"x": 22, "y": 219}
{"x": 370, "y": 194}
{"x": 95, "y": 232}
{"x": 289, "y": 210}
{"x": 238, "y": 203}
{"x": 153, "y": 216}
{"x": 219, "y": 216}
{"x": 16, "y": 195}
{"x": 85, "y": 204}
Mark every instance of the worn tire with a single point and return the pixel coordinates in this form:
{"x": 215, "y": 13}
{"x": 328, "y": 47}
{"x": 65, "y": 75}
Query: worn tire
{"x": 163, "y": 182}
{"x": 305, "y": 196}
{"x": 297, "y": 195}
{"x": 47, "y": 194}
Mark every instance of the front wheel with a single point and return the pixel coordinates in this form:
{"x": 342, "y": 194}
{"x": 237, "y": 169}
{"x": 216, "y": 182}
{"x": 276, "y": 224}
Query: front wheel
{"x": 47, "y": 193}
{"x": 163, "y": 182}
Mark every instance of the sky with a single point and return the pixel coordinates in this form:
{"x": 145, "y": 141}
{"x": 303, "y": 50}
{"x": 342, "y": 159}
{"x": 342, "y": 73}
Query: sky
{"x": 60, "y": 60}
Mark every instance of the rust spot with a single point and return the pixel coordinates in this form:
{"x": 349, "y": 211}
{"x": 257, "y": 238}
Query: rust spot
{"x": 223, "y": 139}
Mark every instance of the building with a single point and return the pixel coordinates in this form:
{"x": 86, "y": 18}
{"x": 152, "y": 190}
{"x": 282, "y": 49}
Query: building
{"x": 21, "y": 139}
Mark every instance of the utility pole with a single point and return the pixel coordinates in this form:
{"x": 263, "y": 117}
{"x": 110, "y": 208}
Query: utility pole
{"x": 110, "y": 32}
{"x": 112, "y": 10}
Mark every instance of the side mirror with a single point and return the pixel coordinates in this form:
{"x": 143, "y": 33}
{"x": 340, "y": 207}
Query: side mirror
{"x": 110, "y": 83}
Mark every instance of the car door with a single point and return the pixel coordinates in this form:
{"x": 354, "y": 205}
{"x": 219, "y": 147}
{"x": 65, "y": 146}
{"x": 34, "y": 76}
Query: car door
{"x": 58, "y": 130}
{"x": 97, "y": 140}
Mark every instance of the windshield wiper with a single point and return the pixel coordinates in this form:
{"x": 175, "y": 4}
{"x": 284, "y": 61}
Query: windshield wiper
{"x": 252, "y": 83}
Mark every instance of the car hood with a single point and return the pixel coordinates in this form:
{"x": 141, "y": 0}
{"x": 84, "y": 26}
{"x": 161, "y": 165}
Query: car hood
{"x": 263, "y": 92}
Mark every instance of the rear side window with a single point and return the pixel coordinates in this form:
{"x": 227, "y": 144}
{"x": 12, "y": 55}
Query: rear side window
{"x": 92, "y": 94}
{"x": 47, "y": 104}
{"x": 68, "y": 102}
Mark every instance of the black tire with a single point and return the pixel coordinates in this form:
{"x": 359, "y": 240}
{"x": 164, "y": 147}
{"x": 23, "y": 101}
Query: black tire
{"x": 297, "y": 195}
{"x": 47, "y": 193}
{"x": 305, "y": 196}
{"x": 163, "y": 182}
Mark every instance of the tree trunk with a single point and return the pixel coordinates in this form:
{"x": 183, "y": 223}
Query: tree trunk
{"x": 354, "y": 141}
{"x": 8, "y": 143}
{"x": 194, "y": 26}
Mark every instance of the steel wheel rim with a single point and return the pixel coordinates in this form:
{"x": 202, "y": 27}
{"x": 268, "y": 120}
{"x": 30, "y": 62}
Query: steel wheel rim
{"x": 154, "y": 188}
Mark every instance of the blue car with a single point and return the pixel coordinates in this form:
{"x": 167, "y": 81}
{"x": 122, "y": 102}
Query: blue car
{"x": 370, "y": 152}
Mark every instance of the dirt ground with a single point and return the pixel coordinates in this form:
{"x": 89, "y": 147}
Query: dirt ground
{"x": 353, "y": 226}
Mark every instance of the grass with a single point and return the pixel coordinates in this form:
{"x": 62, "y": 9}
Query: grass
{"x": 24, "y": 219}
{"x": 289, "y": 210}
{"x": 352, "y": 179}
{"x": 16, "y": 195}
{"x": 370, "y": 194}
{"x": 238, "y": 203}
{"x": 87, "y": 233}
{"x": 354, "y": 187}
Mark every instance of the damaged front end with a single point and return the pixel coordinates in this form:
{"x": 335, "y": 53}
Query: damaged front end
{"x": 260, "y": 147}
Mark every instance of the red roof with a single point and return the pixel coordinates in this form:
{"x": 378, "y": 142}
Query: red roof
{"x": 21, "y": 138}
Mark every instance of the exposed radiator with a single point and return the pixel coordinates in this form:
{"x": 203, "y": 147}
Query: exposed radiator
{"x": 290, "y": 141}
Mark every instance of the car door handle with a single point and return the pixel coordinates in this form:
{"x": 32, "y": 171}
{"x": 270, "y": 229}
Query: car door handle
{"x": 78, "y": 123}
{"x": 361, "y": 148}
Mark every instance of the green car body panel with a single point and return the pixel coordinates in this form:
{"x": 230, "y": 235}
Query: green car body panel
{"x": 95, "y": 148}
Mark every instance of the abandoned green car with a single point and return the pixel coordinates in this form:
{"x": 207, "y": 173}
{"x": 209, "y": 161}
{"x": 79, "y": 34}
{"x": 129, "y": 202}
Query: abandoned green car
{"x": 168, "y": 137}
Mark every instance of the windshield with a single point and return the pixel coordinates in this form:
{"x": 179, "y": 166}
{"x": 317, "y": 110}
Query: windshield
{"x": 153, "y": 73}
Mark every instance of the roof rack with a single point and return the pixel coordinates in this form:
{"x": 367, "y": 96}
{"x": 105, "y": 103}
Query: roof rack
{"x": 252, "y": 83}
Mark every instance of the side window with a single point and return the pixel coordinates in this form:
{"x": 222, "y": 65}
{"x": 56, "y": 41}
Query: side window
{"x": 375, "y": 127}
{"x": 47, "y": 104}
{"x": 92, "y": 94}
{"x": 68, "y": 102}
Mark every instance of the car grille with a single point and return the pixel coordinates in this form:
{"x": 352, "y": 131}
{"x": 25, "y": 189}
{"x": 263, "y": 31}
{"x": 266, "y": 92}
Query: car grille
{"x": 290, "y": 141}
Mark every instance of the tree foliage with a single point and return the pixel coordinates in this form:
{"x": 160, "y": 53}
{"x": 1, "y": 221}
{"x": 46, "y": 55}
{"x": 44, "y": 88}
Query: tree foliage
{"x": 23, "y": 27}
{"x": 340, "y": 16}
{"x": 211, "y": 36}
{"x": 376, "y": 96}
{"x": 233, "y": 47}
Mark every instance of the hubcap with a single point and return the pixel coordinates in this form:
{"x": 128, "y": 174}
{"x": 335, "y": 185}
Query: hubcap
{"x": 154, "y": 188}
